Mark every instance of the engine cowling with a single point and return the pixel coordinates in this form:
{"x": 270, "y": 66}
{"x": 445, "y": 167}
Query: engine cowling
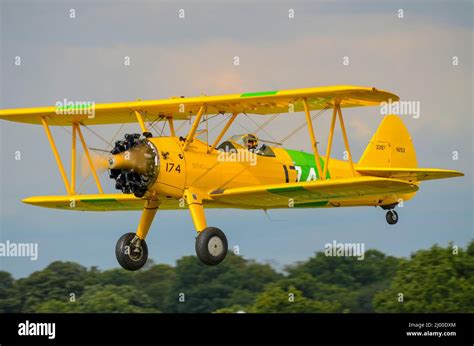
{"x": 134, "y": 164}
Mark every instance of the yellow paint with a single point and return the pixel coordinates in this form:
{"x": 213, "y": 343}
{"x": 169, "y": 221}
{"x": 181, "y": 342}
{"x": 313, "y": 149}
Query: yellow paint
{"x": 56, "y": 155}
{"x": 73, "y": 159}
{"x": 409, "y": 174}
{"x": 124, "y": 112}
{"x": 193, "y": 129}
{"x": 141, "y": 122}
{"x": 314, "y": 143}
{"x": 223, "y": 132}
{"x": 148, "y": 214}
{"x": 329, "y": 146}
{"x": 390, "y": 146}
{"x": 170, "y": 182}
{"x": 346, "y": 141}
{"x": 89, "y": 159}
{"x": 194, "y": 201}
{"x": 352, "y": 191}
{"x": 171, "y": 125}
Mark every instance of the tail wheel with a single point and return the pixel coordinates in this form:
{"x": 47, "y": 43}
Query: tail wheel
{"x": 211, "y": 246}
{"x": 392, "y": 217}
{"x": 131, "y": 252}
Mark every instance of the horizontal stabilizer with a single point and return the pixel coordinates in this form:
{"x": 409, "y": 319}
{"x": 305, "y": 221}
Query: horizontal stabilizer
{"x": 409, "y": 174}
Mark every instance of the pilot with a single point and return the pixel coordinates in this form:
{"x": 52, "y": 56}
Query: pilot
{"x": 251, "y": 142}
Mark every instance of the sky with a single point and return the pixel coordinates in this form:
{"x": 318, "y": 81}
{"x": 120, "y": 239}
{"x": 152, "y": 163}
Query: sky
{"x": 82, "y": 58}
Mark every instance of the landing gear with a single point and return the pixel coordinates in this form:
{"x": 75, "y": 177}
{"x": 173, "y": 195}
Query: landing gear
{"x": 131, "y": 249}
{"x": 392, "y": 217}
{"x": 211, "y": 243}
{"x": 131, "y": 252}
{"x": 211, "y": 246}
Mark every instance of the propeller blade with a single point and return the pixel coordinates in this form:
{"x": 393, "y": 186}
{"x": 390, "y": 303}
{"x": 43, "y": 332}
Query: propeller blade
{"x": 99, "y": 161}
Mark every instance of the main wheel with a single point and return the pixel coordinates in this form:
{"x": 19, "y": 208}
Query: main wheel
{"x": 211, "y": 246}
{"x": 392, "y": 217}
{"x": 131, "y": 252}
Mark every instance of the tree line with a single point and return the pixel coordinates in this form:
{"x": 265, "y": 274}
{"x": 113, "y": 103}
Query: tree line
{"x": 440, "y": 279}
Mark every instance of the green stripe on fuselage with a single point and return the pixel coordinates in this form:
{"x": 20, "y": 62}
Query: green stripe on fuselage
{"x": 307, "y": 164}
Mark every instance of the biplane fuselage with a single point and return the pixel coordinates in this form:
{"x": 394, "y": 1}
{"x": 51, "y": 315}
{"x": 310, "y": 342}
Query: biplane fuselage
{"x": 220, "y": 170}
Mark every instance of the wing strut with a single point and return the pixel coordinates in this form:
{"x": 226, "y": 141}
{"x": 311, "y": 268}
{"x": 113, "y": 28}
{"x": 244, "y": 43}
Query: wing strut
{"x": 194, "y": 127}
{"x": 73, "y": 159}
{"x": 140, "y": 121}
{"x": 91, "y": 164}
{"x": 224, "y": 130}
{"x": 331, "y": 136}
{"x": 171, "y": 125}
{"x": 76, "y": 130}
{"x": 335, "y": 113}
{"x": 346, "y": 141}
{"x": 56, "y": 155}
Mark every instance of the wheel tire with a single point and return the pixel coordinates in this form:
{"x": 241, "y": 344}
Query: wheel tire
{"x": 124, "y": 252}
{"x": 211, "y": 246}
{"x": 392, "y": 217}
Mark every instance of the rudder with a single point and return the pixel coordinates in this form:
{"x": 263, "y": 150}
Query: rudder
{"x": 390, "y": 146}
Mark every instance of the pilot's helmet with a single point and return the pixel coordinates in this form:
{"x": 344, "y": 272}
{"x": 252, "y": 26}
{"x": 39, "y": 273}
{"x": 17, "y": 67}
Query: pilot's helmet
{"x": 249, "y": 138}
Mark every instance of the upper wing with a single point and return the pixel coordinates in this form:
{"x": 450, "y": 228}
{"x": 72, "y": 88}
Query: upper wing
{"x": 410, "y": 174}
{"x": 312, "y": 193}
{"x": 180, "y": 108}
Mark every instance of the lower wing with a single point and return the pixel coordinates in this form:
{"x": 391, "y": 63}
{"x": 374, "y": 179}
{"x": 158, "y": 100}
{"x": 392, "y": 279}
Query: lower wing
{"x": 95, "y": 202}
{"x": 303, "y": 194}
{"x": 106, "y": 202}
{"x": 313, "y": 193}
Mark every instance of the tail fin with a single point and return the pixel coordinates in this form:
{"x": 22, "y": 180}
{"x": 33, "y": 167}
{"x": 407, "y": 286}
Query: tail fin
{"x": 390, "y": 154}
{"x": 390, "y": 146}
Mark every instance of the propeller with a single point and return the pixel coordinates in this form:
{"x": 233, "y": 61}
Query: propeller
{"x": 100, "y": 161}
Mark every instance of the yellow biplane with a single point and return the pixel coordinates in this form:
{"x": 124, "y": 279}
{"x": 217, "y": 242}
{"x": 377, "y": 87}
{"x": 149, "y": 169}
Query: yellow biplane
{"x": 172, "y": 172}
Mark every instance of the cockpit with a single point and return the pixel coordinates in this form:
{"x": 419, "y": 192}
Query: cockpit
{"x": 239, "y": 142}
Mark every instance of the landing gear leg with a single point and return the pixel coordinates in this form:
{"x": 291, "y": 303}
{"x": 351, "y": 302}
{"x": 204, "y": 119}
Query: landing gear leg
{"x": 211, "y": 242}
{"x": 131, "y": 249}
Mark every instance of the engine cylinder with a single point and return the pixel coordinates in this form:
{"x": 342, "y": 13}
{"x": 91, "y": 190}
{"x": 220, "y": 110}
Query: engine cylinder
{"x": 134, "y": 164}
